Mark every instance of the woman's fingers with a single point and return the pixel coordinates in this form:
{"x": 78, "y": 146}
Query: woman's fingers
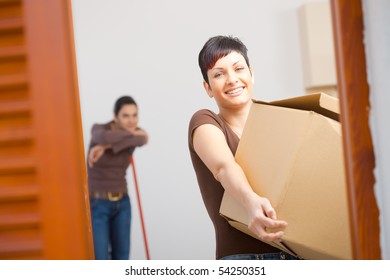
{"x": 94, "y": 154}
{"x": 262, "y": 216}
{"x": 264, "y": 219}
{"x": 261, "y": 231}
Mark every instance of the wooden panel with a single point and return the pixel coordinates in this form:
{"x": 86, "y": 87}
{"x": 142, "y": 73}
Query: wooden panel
{"x": 44, "y": 206}
{"x": 20, "y": 218}
{"x": 354, "y": 101}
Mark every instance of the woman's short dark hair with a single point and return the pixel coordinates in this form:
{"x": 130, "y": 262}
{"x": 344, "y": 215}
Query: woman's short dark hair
{"x": 121, "y": 101}
{"x": 217, "y": 47}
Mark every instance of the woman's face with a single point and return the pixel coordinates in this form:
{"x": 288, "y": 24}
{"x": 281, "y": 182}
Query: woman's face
{"x": 230, "y": 81}
{"x": 127, "y": 117}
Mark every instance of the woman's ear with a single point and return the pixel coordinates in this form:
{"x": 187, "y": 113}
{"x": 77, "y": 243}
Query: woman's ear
{"x": 208, "y": 89}
{"x": 253, "y": 75}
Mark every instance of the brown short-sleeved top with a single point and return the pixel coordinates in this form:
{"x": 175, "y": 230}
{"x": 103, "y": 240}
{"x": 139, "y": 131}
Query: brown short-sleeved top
{"x": 229, "y": 241}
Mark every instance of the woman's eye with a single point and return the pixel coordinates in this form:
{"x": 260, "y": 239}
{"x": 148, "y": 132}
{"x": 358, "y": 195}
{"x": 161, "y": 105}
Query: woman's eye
{"x": 218, "y": 74}
{"x": 240, "y": 68}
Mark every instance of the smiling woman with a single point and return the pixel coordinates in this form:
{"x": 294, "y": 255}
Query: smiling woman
{"x": 213, "y": 140}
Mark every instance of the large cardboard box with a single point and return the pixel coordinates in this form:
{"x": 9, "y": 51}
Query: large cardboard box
{"x": 291, "y": 152}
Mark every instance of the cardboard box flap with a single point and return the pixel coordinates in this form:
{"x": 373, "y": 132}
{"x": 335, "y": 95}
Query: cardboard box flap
{"x": 320, "y": 103}
{"x": 292, "y": 153}
{"x": 269, "y": 143}
{"x": 312, "y": 186}
{"x": 244, "y": 228}
{"x": 313, "y": 253}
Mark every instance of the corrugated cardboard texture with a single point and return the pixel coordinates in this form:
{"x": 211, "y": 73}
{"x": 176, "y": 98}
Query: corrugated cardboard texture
{"x": 294, "y": 158}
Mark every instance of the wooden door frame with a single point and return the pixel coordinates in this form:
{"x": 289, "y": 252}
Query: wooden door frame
{"x": 353, "y": 90}
{"x": 60, "y": 161}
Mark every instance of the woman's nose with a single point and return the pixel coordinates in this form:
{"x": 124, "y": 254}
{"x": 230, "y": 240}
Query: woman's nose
{"x": 232, "y": 77}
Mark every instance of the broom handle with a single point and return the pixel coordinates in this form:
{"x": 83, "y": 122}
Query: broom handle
{"x": 140, "y": 208}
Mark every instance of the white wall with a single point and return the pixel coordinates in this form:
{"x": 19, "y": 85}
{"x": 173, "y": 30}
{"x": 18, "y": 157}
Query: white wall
{"x": 149, "y": 49}
{"x": 377, "y": 45}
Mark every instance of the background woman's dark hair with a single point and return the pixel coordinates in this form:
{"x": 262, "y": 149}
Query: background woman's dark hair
{"x": 121, "y": 101}
{"x": 217, "y": 47}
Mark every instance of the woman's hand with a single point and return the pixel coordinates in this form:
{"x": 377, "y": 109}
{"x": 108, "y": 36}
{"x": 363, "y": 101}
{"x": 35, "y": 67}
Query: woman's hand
{"x": 95, "y": 153}
{"x": 262, "y": 216}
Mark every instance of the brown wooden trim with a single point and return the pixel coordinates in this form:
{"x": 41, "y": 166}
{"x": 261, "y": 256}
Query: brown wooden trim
{"x": 353, "y": 91}
{"x": 60, "y": 161}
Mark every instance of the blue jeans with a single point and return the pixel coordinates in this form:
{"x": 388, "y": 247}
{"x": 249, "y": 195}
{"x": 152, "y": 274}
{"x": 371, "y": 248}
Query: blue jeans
{"x": 111, "y": 228}
{"x": 266, "y": 256}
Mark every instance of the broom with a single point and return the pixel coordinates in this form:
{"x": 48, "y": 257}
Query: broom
{"x": 140, "y": 208}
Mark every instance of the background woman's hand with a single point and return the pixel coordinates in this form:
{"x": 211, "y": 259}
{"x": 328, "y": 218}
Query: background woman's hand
{"x": 95, "y": 153}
